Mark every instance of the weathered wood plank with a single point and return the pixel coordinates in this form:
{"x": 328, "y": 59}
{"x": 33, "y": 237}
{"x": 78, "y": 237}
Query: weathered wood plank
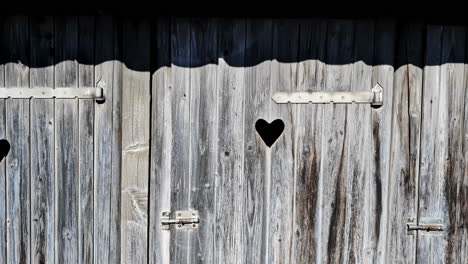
{"x": 16, "y": 43}
{"x": 382, "y": 73}
{"x": 3, "y": 178}
{"x": 441, "y": 157}
{"x": 257, "y": 156}
{"x": 179, "y": 96}
{"x": 285, "y": 45}
{"x": 358, "y": 117}
{"x": 103, "y": 140}
{"x": 203, "y": 102}
{"x": 308, "y": 134}
{"x": 135, "y": 140}
{"x": 86, "y": 140}
{"x": 66, "y": 141}
{"x": 116, "y": 149}
{"x": 332, "y": 182}
{"x": 404, "y": 156}
{"x": 42, "y": 143}
{"x": 230, "y": 177}
{"x": 161, "y": 133}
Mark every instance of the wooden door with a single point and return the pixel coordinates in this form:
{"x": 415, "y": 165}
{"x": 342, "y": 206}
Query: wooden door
{"x": 318, "y": 194}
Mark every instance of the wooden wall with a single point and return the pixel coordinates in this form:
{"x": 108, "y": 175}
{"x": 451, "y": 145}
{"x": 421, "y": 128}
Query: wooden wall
{"x": 86, "y": 182}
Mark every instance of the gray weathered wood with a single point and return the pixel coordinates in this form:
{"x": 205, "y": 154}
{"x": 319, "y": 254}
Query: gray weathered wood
{"x": 441, "y": 159}
{"x": 135, "y": 140}
{"x": 382, "y": 73}
{"x": 3, "y": 182}
{"x": 103, "y": 142}
{"x": 230, "y": 176}
{"x": 357, "y": 138}
{"x": 86, "y": 140}
{"x": 257, "y": 156}
{"x": 285, "y": 45}
{"x": 203, "y": 102}
{"x": 179, "y": 96}
{"x": 332, "y": 182}
{"x": 160, "y": 176}
{"x": 42, "y": 143}
{"x": 16, "y": 41}
{"x": 66, "y": 141}
{"x": 404, "y": 156}
{"x": 307, "y": 125}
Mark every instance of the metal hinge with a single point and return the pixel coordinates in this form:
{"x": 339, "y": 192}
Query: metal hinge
{"x": 183, "y": 220}
{"x": 373, "y": 97}
{"x": 426, "y": 224}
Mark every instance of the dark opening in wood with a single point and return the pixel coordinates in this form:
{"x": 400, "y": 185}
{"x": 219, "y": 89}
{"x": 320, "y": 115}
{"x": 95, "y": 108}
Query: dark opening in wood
{"x": 4, "y": 148}
{"x": 269, "y": 132}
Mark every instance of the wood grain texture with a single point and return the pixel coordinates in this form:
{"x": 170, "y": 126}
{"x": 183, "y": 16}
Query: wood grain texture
{"x": 285, "y": 46}
{"x": 103, "y": 143}
{"x": 203, "y": 102}
{"x": 135, "y": 140}
{"x": 179, "y": 96}
{"x": 66, "y": 141}
{"x": 257, "y": 156}
{"x": 332, "y": 182}
{"x": 3, "y": 178}
{"x": 42, "y": 143}
{"x": 406, "y": 122}
{"x": 86, "y": 140}
{"x": 161, "y": 134}
{"x": 230, "y": 176}
{"x": 16, "y": 41}
{"x": 358, "y": 133}
{"x": 441, "y": 162}
{"x": 307, "y": 125}
{"x": 381, "y": 125}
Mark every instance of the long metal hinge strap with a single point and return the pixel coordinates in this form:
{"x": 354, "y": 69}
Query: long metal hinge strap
{"x": 56, "y": 92}
{"x": 373, "y": 97}
{"x": 425, "y": 227}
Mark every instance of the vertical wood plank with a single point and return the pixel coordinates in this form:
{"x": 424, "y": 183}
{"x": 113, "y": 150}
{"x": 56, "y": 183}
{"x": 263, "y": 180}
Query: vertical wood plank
{"x": 404, "y": 157}
{"x": 308, "y": 134}
{"x": 135, "y": 140}
{"x": 358, "y": 141}
{"x": 230, "y": 177}
{"x": 180, "y": 95}
{"x": 203, "y": 102}
{"x": 441, "y": 137}
{"x": 16, "y": 43}
{"x": 161, "y": 133}
{"x": 86, "y": 140}
{"x": 42, "y": 143}
{"x": 257, "y": 156}
{"x": 381, "y": 123}
{"x": 116, "y": 149}
{"x": 285, "y": 47}
{"x": 66, "y": 141}
{"x": 3, "y": 178}
{"x": 104, "y": 140}
{"x": 332, "y": 183}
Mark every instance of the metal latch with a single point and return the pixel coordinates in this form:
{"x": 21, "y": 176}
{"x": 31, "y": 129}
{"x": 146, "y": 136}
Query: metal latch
{"x": 373, "y": 97}
{"x": 183, "y": 220}
{"x": 426, "y": 224}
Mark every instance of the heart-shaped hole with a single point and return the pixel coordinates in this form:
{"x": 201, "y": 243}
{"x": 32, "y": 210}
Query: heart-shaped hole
{"x": 269, "y": 132}
{"x": 4, "y": 148}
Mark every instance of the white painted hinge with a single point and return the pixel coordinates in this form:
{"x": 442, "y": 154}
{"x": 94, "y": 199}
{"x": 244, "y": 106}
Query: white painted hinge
{"x": 56, "y": 92}
{"x": 373, "y": 97}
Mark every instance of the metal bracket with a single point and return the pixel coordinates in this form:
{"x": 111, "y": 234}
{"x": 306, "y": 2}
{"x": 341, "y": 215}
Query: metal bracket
{"x": 50, "y": 93}
{"x": 373, "y": 97}
{"x": 183, "y": 220}
{"x": 426, "y": 225}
